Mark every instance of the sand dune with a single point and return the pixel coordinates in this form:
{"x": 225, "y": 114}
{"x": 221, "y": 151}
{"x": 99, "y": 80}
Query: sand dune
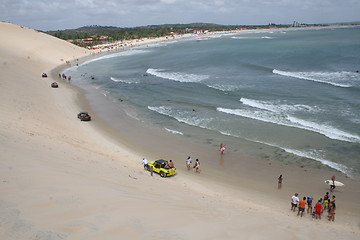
{"x": 63, "y": 179}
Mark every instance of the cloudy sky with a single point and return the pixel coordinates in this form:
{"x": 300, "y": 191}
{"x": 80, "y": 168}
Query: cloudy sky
{"x": 65, "y": 14}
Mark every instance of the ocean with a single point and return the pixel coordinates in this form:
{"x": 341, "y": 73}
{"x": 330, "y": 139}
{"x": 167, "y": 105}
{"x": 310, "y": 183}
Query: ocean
{"x": 294, "y": 90}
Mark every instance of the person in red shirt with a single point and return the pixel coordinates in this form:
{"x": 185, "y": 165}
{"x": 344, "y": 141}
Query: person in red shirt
{"x": 301, "y": 207}
{"x": 318, "y": 209}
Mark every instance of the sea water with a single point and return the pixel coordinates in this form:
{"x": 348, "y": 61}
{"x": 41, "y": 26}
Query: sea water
{"x": 297, "y": 90}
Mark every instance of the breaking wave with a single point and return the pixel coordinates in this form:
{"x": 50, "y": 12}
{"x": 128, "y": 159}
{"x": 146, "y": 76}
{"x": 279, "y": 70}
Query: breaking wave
{"x": 314, "y": 155}
{"x": 338, "y": 79}
{"x": 281, "y": 115}
{"x": 176, "y": 76}
{"x": 122, "y": 81}
{"x": 278, "y": 107}
{"x": 187, "y": 118}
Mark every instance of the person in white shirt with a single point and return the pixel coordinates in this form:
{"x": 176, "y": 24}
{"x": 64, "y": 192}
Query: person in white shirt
{"x": 145, "y": 162}
{"x": 294, "y": 202}
{"x": 188, "y": 162}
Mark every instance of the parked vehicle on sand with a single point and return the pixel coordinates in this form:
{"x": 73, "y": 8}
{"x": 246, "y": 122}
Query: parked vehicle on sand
{"x": 54, "y": 85}
{"x": 84, "y": 116}
{"x": 161, "y": 167}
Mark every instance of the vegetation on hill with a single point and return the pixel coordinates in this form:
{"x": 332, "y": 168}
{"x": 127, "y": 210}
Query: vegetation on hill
{"x": 118, "y": 34}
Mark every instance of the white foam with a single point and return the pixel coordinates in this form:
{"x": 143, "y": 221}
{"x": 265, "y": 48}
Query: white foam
{"x": 181, "y": 116}
{"x": 338, "y": 79}
{"x": 122, "y": 81}
{"x": 315, "y": 155}
{"x": 324, "y": 129}
{"x": 185, "y": 117}
{"x": 277, "y": 107}
{"x": 176, "y": 76}
{"x": 224, "y": 88}
{"x": 286, "y": 120}
{"x": 174, "y": 131}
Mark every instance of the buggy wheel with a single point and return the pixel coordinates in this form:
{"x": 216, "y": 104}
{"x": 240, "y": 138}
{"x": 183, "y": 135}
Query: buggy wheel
{"x": 162, "y": 174}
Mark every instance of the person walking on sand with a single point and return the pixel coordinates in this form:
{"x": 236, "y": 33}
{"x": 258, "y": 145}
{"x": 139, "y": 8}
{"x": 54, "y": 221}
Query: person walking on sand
{"x": 294, "y": 202}
{"x": 280, "y": 179}
{"x": 188, "y": 162}
{"x": 332, "y": 186}
{"x": 302, "y": 204}
{"x": 222, "y": 148}
{"x": 197, "y": 166}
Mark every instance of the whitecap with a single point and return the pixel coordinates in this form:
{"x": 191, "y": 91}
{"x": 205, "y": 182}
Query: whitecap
{"x": 338, "y": 79}
{"x": 122, "y": 81}
{"x": 224, "y": 88}
{"x": 277, "y": 107}
{"x": 287, "y": 120}
{"x": 177, "y": 76}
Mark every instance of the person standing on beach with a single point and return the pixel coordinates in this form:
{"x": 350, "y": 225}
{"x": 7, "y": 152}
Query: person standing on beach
{"x": 188, "y": 162}
{"x": 326, "y": 200}
{"x": 332, "y": 208}
{"x": 309, "y": 203}
{"x": 294, "y": 202}
{"x": 318, "y": 210}
{"x": 197, "y": 166}
{"x": 333, "y": 199}
{"x": 302, "y": 204}
{"x": 222, "y": 148}
{"x": 145, "y": 163}
{"x": 280, "y": 179}
{"x": 151, "y": 170}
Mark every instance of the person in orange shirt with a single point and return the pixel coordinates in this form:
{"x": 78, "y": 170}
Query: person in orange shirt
{"x": 302, "y": 204}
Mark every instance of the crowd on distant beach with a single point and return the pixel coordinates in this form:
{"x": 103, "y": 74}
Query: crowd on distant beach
{"x": 325, "y": 205}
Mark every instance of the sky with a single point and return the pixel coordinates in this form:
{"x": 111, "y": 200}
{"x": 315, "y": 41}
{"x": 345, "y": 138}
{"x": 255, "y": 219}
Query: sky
{"x": 68, "y": 14}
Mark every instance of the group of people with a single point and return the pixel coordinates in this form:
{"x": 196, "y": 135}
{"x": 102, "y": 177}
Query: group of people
{"x": 196, "y": 164}
{"x": 323, "y": 204}
{"x": 63, "y": 76}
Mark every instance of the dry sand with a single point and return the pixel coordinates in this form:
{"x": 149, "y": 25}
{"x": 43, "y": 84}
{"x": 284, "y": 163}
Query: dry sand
{"x": 65, "y": 179}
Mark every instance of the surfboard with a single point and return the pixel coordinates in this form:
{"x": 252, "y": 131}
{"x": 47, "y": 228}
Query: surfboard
{"x": 337, "y": 183}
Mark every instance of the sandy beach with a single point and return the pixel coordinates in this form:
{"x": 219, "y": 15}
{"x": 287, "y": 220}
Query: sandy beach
{"x": 61, "y": 178}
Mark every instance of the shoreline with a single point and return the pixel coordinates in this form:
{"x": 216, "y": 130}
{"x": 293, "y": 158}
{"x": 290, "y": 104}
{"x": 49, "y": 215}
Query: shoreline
{"x": 66, "y": 179}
